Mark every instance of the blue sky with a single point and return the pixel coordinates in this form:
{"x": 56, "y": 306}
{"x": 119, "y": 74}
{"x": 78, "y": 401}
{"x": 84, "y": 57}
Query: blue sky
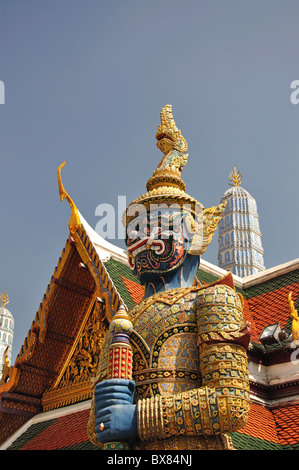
{"x": 85, "y": 83}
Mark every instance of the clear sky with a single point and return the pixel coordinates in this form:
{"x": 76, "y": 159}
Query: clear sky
{"x": 85, "y": 82}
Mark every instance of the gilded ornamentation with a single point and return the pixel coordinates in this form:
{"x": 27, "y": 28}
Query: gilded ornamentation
{"x": 74, "y": 222}
{"x": 295, "y": 319}
{"x": 4, "y": 299}
{"x": 235, "y": 177}
{"x": 84, "y": 361}
{"x": 105, "y": 287}
{"x": 191, "y": 374}
{"x": 120, "y": 350}
{"x": 167, "y": 187}
{"x": 5, "y": 368}
{"x": 168, "y": 131}
{"x": 81, "y": 366}
{"x": 217, "y": 401}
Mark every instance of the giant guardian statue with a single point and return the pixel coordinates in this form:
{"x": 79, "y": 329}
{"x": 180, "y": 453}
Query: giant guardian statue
{"x": 173, "y": 371}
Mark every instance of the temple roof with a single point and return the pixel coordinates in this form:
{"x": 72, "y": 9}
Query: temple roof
{"x": 45, "y": 404}
{"x": 104, "y": 248}
{"x": 65, "y": 429}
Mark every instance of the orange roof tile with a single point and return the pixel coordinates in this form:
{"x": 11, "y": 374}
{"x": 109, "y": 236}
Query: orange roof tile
{"x": 135, "y": 290}
{"x": 260, "y": 424}
{"x": 269, "y": 308}
{"x": 287, "y": 423}
{"x": 249, "y": 317}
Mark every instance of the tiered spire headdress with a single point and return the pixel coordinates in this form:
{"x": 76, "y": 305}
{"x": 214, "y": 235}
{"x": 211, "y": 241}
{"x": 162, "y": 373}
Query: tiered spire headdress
{"x": 166, "y": 185}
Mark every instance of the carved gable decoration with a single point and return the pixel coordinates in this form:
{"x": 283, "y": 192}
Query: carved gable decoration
{"x": 74, "y": 381}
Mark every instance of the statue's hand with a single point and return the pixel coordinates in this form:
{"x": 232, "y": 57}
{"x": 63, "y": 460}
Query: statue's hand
{"x": 114, "y": 410}
{"x": 120, "y": 423}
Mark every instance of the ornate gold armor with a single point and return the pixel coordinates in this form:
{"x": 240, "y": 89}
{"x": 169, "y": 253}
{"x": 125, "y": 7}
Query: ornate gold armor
{"x": 189, "y": 342}
{"x": 190, "y": 368}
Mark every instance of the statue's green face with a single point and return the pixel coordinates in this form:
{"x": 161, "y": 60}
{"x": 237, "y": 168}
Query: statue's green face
{"x": 157, "y": 242}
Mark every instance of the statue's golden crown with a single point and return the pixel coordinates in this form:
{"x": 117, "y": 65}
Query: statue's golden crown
{"x": 166, "y": 185}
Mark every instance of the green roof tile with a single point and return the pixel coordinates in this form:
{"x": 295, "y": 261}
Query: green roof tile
{"x": 283, "y": 280}
{"x": 81, "y": 446}
{"x": 243, "y": 442}
{"x": 115, "y": 270}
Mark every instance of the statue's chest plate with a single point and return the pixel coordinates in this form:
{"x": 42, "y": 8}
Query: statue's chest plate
{"x": 166, "y": 352}
{"x": 160, "y": 318}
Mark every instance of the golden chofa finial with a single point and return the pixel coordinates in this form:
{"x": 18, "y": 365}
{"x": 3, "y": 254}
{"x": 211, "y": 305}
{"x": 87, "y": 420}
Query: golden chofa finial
{"x": 235, "y": 177}
{"x": 74, "y": 222}
{"x": 4, "y": 299}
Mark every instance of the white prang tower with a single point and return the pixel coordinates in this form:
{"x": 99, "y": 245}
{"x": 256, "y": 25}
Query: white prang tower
{"x": 240, "y": 247}
{"x": 6, "y": 330}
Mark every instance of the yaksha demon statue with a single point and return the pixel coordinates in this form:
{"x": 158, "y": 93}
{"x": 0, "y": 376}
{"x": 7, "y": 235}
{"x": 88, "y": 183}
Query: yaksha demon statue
{"x": 187, "y": 384}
